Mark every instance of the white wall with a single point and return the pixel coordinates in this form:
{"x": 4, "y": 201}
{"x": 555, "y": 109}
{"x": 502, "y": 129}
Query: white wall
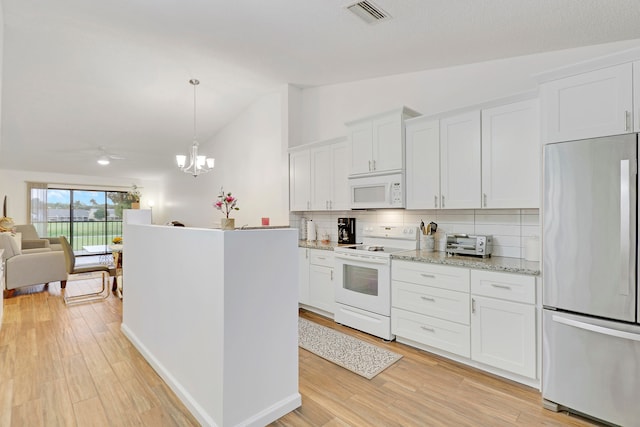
{"x": 13, "y": 184}
{"x": 327, "y": 108}
{"x": 251, "y": 162}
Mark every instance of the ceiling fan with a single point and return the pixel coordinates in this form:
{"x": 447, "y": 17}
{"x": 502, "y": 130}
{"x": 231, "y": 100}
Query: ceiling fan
{"x": 105, "y": 157}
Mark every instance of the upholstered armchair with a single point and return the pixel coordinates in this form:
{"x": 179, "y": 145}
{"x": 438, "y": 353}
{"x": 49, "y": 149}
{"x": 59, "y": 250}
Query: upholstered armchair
{"x": 31, "y": 240}
{"x": 27, "y": 267}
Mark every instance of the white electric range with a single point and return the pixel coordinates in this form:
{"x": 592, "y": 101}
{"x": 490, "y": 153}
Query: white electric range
{"x": 363, "y": 278}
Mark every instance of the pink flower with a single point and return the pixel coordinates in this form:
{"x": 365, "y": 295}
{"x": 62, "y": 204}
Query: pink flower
{"x": 230, "y": 199}
{"x": 226, "y": 203}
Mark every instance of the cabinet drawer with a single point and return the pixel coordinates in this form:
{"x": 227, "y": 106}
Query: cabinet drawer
{"x": 451, "y": 278}
{"x": 435, "y": 302}
{"x": 506, "y": 286}
{"x": 320, "y": 257}
{"x": 441, "y": 334}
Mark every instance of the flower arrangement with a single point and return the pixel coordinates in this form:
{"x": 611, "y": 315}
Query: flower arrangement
{"x": 226, "y": 203}
{"x": 134, "y": 194}
{"x": 117, "y": 240}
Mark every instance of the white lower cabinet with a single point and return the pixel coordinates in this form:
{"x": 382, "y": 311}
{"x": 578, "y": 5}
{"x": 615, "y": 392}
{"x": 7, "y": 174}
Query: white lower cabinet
{"x": 483, "y": 318}
{"x": 503, "y": 321}
{"x": 319, "y": 295}
{"x": 303, "y": 275}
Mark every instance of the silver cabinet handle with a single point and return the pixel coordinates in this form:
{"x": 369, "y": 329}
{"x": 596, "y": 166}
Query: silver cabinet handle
{"x": 425, "y": 328}
{"x": 428, "y": 299}
{"x": 443, "y": 200}
{"x": 326, "y": 204}
{"x": 484, "y": 199}
{"x": 321, "y": 257}
{"x": 430, "y": 276}
{"x": 331, "y": 274}
{"x": 473, "y": 305}
{"x": 374, "y": 165}
{"x": 369, "y": 165}
{"x": 627, "y": 121}
{"x": 495, "y": 285}
{"x": 306, "y": 254}
{"x": 435, "y": 201}
{"x": 330, "y": 204}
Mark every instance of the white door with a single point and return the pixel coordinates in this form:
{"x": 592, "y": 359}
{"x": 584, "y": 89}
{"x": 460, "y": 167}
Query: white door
{"x": 588, "y": 105}
{"x": 299, "y": 181}
{"x": 460, "y": 161}
{"x": 511, "y": 154}
{"x": 321, "y": 288}
{"x": 360, "y": 140}
{"x": 387, "y": 143}
{"x": 423, "y": 164}
{"x": 340, "y": 177}
{"x": 321, "y": 178}
{"x": 503, "y": 335}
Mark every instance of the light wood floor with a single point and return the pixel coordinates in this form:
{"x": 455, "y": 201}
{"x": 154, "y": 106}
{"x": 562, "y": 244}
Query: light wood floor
{"x": 72, "y": 366}
{"x": 419, "y": 390}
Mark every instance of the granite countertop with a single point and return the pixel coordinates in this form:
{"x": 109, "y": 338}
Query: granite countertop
{"x": 317, "y": 244}
{"x": 503, "y": 264}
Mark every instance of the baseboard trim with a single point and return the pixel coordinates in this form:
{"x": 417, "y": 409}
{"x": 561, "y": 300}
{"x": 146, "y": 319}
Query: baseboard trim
{"x": 185, "y": 397}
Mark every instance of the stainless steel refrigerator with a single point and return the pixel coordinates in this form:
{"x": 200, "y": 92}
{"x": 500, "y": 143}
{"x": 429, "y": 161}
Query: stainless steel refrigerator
{"x": 591, "y": 335}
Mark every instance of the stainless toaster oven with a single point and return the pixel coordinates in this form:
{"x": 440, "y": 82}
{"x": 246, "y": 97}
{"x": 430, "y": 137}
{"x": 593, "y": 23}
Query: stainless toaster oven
{"x": 465, "y": 244}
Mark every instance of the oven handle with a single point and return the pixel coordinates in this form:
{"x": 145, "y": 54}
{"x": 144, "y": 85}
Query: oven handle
{"x": 362, "y": 258}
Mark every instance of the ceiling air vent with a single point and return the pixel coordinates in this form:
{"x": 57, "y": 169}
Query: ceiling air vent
{"x": 368, "y": 12}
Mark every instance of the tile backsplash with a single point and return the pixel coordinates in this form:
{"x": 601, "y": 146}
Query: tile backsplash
{"x": 510, "y": 228}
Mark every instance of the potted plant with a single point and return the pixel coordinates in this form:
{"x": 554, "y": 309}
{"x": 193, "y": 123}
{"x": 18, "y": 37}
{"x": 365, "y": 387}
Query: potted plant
{"x": 134, "y": 197}
{"x": 225, "y": 204}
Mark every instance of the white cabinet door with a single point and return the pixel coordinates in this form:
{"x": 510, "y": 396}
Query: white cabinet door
{"x": 388, "y": 154}
{"x": 588, "y": 105}
{"x": 321, "y": 178}
{"x": 636, "y": 96}
{"x": 460, "y": 161}
{"x": 503, "y": 335}
{"x": 321, "y": 293}
{"x": 511, "y": 156}
{"x": 360, "y": 141}
{"x": 423, "y": 164}
{"x": 299, "y": 181}
{"x": 303, "y": 275}
{"x": 340, "y": 177}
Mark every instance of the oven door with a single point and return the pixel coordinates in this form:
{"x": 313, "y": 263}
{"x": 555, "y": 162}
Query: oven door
{"x": 363, "y": 281}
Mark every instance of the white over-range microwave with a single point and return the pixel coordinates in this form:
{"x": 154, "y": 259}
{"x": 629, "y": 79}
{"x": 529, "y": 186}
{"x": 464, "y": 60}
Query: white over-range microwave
{"x": 378, "y": 191}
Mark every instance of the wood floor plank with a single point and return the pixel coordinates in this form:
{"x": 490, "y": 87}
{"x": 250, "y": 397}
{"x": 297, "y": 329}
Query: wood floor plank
{"x": 57, "y": 406}
{"x": 79, "y": 380}
{"x": 117, "y": 403}
{"x": 90, "y": 412}
{"x": 28, "y": 414}
{"x": 6, "y": 402}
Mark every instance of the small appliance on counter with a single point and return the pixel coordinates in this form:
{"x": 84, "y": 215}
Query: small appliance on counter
{"x": 311, "y": 231}
{"x": 346, "y": 230}
{"x": 465, "y": 244}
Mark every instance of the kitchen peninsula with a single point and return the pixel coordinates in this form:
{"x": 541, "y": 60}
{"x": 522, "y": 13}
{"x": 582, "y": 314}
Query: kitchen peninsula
{"x": 216, "y": 314}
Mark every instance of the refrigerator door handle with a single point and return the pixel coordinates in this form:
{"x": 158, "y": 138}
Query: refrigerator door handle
{"x": 625, "y": 227}
{"x": 597, "y": 329}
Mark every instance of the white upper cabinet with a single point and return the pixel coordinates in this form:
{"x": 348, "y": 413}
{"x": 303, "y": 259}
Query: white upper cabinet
{"x": 423, "y": 163}
{"x": 329, "y": 173}
{"x": 318, "y": 176}
{"x": 299, "y": 181}
{"x": 511, "y": 156}
{"x": 588, "y": 105}
{"x": 376, "y": 144}
{"x": 460, "y": 161}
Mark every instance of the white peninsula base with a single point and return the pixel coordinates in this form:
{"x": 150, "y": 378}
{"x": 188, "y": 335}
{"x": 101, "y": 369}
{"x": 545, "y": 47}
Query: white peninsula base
{"x": 216, "y": 315}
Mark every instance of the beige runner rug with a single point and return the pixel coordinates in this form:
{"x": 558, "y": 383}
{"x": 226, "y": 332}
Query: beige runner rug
{"x": 351, "y": 353}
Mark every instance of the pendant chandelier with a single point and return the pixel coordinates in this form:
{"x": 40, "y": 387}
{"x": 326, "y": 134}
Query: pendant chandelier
{"x": 198, "y": 164}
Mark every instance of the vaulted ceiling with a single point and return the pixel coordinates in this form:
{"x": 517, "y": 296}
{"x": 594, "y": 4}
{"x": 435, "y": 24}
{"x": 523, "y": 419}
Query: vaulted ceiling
{"x": 83, "y": 74}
